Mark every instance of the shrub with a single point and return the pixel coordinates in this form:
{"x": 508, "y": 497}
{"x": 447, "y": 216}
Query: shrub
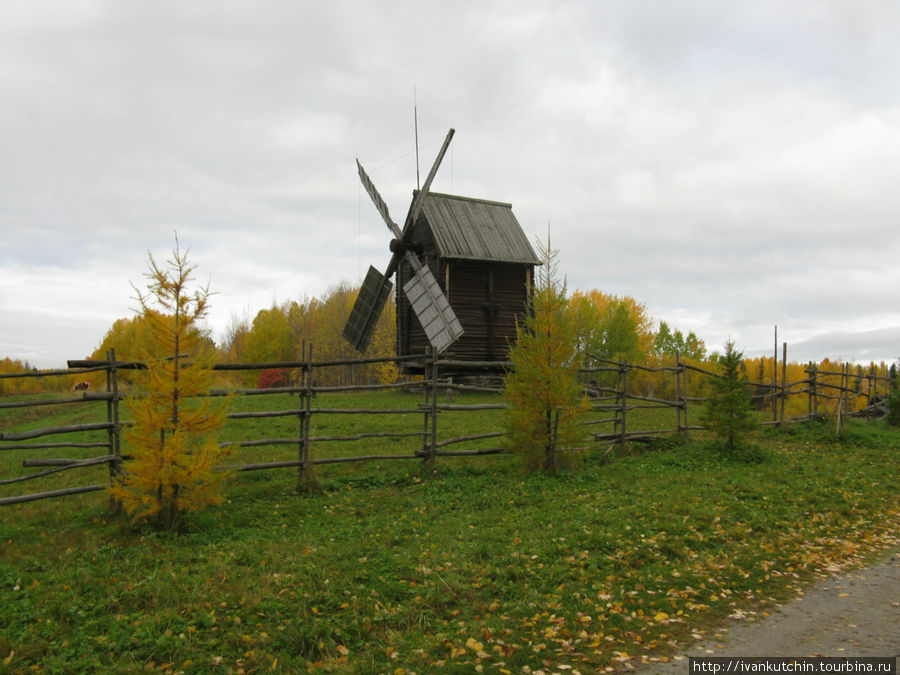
{"x": 274, "y": 377}
{"x": 728, "y": 413}
{"x": 893, "y": 411}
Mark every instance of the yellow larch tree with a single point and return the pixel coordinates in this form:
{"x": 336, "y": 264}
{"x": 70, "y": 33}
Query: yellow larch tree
{"x": 543, "y": 390}
{"x": 172, "y": 439}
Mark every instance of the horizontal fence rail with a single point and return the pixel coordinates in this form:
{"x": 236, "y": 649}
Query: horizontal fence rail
{"x": 609, "y": 387}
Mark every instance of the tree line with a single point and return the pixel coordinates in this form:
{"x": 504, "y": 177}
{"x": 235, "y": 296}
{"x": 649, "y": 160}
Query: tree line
{"x": 607, "y": 326}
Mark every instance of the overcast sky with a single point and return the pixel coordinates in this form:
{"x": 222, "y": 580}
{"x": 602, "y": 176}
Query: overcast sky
{"x": 731, "y": 165}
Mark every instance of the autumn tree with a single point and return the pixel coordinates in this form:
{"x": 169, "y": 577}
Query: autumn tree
{"x": 279, "y": 333}
{"x": 691, "y": 350}
{"x": 612, "y": 327}
{"x": 270, "y": 337}
{"x": 17, "y": 385}
{"x": 133, "y": 340}
{"x": 234, "y": 343}
{"x": 620, "y": 340}
{"x": 668, "y": 342}
{"x": 762, "y": 396}
{"x": 172, "y": 438}
{"x": 543, "y": 389}
{"x": 616, "y": 329}
{"x": 728, "y": 412}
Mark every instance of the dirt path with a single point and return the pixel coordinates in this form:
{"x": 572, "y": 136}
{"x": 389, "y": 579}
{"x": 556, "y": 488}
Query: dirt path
{"x": 854, "y": 614}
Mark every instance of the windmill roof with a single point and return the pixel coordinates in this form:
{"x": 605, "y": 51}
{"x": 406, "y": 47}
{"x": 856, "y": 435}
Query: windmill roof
{"x": 476, "y": 229}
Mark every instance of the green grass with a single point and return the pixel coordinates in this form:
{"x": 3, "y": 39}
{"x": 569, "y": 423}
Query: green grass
{"x": 380, "y": 567}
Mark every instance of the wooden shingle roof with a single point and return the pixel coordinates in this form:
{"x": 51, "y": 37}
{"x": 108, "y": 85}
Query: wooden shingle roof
{"x": 476, "y": 229}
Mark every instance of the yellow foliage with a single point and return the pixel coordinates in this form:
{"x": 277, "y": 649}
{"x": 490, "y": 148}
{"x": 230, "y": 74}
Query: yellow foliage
{"x": 20, "y": 383}
{"x": 172, "y": 438}
{"x": 542, "y": 390}
{"x": 595, "y": 315}
{"x": 830, "y": 377}
{"x": 280, "y": 332}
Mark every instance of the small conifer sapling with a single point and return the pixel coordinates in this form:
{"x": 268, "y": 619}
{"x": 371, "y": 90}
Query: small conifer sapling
{"x": 729, "y": 414}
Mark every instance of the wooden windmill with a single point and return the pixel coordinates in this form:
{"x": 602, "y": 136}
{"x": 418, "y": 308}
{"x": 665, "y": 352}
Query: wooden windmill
{"x": 464, "y": 271}
{"x": 428, "y": 301}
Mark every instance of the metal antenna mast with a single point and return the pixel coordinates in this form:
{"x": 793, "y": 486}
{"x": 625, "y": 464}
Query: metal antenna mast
{"x": 416, "y": 124}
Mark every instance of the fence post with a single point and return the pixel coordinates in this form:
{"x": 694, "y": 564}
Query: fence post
{"x": 115, "y": 431}
{"x": 426, "y": 412}
{"x": 845, "y": 388}
{"x": 812, "y": 407}
{"x": 775, "y": 379}
{"x": 429, "y": 409}
{"x": 841, "y": 399}
{"x": 303, "y": 471}
{"x": 678, "y": 428}
{"x": 622, "y": 394}
{"x": 112, "y": 415}
{"x": 783, "y": 379}
{"x": 429, "y": 440}
{"x": 684, "y": 399}
{"x": 816, "y": 389}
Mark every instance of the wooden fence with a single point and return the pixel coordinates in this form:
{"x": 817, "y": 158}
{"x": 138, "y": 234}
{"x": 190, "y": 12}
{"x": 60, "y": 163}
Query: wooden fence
{"x": 610, "y": 420}
{"x": 823, "y": 396}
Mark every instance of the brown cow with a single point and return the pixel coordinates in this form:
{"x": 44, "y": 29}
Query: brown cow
{"x": 82, "y": 386}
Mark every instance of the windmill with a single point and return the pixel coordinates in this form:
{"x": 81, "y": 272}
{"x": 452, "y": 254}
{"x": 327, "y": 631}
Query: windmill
{"x": 428, "y": 301}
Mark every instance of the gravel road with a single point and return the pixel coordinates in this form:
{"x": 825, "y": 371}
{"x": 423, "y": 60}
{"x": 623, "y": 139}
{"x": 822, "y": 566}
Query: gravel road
{"x": 854, "y": 614}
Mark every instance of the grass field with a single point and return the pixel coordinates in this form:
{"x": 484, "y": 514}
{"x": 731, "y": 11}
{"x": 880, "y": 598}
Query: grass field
{"x": 380, "y": 568}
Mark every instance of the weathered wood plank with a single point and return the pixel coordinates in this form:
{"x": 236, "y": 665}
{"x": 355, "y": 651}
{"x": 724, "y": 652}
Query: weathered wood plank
{"x": 74, "y": 464}
{"x": 21, "y": 499}
{"x": 36, "y": 433}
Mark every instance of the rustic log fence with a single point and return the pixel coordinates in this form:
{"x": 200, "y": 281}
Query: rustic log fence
{"x": 611, "y": 421}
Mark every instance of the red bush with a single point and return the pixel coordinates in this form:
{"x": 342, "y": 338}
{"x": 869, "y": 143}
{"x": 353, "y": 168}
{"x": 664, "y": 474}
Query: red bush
{"x": 274, "y": 377}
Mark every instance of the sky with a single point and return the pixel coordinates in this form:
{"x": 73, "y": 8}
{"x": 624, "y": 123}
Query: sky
{"x": 733, "y": 166}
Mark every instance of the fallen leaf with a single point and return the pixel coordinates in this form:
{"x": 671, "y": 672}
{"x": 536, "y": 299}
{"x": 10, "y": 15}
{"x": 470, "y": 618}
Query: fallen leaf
{"x": 474, "y": 645}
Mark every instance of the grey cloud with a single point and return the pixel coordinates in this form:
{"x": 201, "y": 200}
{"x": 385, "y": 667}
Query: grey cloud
{"x": 731, "y": 169}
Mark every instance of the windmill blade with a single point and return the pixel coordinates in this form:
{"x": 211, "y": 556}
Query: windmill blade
{"x": 377, "y": 200}
{"x": 431, "y": 307}
{"x": 416, "y": 207}
{"x": 386, "y": 216}
{"x": 370, "y": 301}
{"x": 418, "y": 202}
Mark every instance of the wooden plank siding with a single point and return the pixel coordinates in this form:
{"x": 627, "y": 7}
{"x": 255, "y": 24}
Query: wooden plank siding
{"x": 487, "y": 338}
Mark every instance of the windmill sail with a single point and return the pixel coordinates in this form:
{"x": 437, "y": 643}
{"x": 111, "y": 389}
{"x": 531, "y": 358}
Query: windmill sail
{"x": 432, "y": 309}
{"x": 419, "y": 199}
{"x": 377, "y": 200}
{"x": 367, "y": 309}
